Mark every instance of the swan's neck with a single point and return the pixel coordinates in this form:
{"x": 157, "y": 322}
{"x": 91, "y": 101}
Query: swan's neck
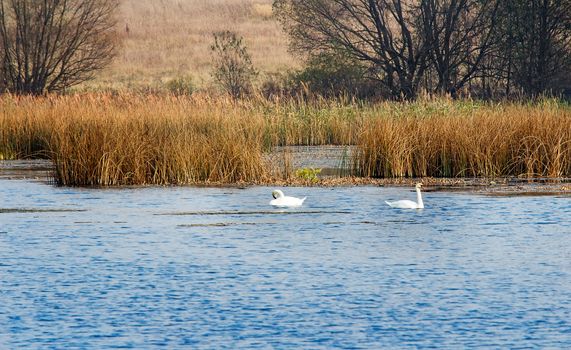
{"x": 419, "y": 199}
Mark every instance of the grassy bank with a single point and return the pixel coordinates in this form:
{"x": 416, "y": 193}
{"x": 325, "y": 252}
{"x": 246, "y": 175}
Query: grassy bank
{"x": 100, "y": 139}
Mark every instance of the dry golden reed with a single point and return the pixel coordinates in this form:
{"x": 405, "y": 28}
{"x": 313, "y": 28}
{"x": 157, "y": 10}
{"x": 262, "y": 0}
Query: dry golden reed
{"x": 130, "y": 139}
{"x": 461, "y": 139}
{"x": 23, "y": 134}
{"x": 104, "y": 140}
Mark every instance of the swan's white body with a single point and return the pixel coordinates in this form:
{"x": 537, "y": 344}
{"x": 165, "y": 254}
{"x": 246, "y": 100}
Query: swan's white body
{"x": 285, "y": 201}
{"x": 407, "y": 204}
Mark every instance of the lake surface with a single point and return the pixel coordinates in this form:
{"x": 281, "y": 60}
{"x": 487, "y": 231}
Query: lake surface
{"x": 218, "y": 268}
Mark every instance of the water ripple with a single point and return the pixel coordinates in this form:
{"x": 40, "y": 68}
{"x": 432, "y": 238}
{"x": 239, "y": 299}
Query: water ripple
{"x": 205, "y": 268}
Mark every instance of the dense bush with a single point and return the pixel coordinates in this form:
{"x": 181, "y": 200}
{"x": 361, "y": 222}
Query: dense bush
{"x": 180, "y": 86}
{"x": 233, "y": 68}
{"x": 324, "y": 76}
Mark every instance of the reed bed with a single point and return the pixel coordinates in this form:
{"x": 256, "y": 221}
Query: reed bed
{"x": 463, "y": 139}
{"x": 22, "y": 133}
{"x": 130, "y": 139}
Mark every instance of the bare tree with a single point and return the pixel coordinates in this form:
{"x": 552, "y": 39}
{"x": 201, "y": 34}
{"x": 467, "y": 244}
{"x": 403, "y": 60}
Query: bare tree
{"x": 50, "y": 45}
{"x": 483, "y": 46}
{"x": 535, "y": 37}
{"x": 382, "y": 34}
{"x": 460, "y": 33}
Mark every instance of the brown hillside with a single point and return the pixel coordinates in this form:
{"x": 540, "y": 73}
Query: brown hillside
{"x": 165, "y": 39}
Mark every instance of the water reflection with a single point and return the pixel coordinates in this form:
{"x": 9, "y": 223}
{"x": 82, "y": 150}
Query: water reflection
{"x": 219, "y": 268}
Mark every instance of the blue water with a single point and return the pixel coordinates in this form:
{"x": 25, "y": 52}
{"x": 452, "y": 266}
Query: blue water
{"x": 217, "y": 268}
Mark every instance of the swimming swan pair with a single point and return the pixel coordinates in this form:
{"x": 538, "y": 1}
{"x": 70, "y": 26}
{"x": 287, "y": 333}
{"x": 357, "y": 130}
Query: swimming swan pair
{"x": 280, "y": 200}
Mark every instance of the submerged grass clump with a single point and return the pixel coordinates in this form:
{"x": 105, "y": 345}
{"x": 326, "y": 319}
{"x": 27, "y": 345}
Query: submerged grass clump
{"x": 130, "y": 139}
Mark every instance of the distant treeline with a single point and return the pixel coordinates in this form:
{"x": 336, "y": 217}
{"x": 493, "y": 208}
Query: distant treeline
{"x": 383, "y": 49}
{"x": 402, "y": 48}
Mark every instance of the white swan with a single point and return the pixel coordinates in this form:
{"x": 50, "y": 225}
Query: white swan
{"x": 285, "y": 201}
{"x": 406, "y": 204}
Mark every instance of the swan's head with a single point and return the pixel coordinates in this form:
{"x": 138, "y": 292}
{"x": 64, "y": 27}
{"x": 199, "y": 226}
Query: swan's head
{"x": 277, "y": 194}
{"x": 419, "y": 185}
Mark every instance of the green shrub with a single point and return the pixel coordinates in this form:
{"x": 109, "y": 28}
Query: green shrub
{"x": 333, "y": 76}
{"x": 308, "y": 174}
{"x": 180, "y": 86}
{"x": 233, "y": 68}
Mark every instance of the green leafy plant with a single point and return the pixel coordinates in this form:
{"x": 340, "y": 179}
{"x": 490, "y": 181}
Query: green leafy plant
{"x": 308, "y": 174}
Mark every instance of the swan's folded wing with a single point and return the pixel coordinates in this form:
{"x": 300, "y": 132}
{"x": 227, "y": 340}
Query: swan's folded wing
{"x": 403, "y": 204}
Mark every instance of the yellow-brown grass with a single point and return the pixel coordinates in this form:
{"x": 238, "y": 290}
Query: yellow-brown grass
{"x": 103, "y": 139}
{"x": 456, "y": 139}
{"x": 23, "y": 134}
{"x": 167, "y": 39}
{"x": 127, "y": 139}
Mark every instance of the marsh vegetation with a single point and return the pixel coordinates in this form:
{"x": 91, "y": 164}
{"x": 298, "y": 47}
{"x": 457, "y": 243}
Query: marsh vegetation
{"x": 102, "y": 139}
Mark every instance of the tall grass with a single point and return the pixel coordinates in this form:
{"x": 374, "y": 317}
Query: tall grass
{"x": 23, "y": 134}
{"x": 298, "y": 122}
{"x": 127, "y": 139}
{"x": 136, "y": 140}
{"x": 458, "y": 139}
{"x": 102, "y": 139}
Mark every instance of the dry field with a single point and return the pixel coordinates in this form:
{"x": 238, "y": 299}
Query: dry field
{"x": 167, "y": 39}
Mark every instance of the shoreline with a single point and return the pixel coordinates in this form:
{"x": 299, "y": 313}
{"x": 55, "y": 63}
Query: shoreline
{"x": 38, "y": 170}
